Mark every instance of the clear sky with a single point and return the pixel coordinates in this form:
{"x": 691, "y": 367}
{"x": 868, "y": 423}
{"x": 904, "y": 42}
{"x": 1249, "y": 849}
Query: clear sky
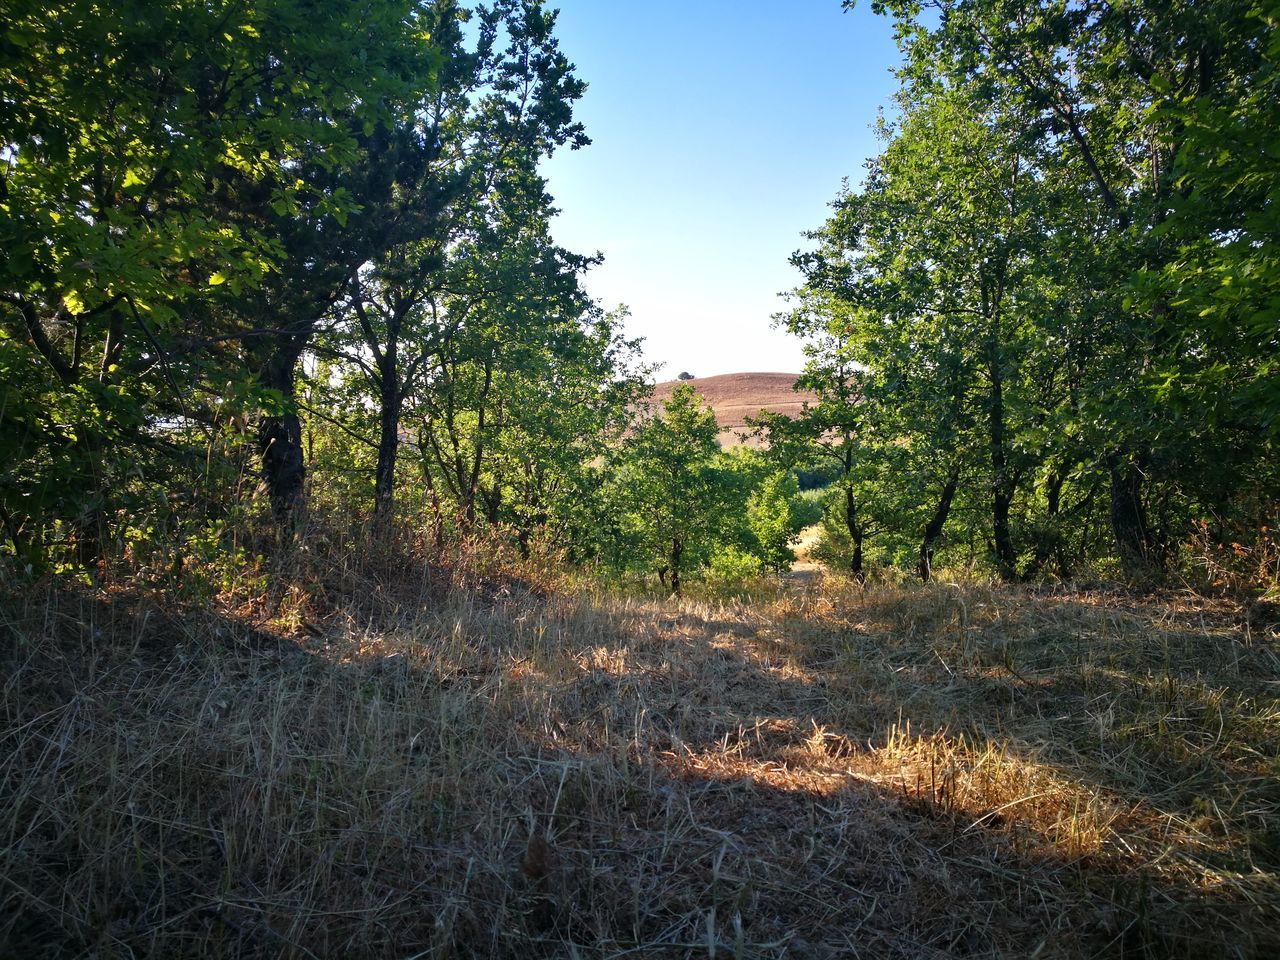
{"x": 721, "y": 129}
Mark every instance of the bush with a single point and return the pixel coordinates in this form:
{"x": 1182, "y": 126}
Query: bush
{"x": 731, "y": 568}
{"x": 806, "y": 507}
{"x": 772, "y": 517}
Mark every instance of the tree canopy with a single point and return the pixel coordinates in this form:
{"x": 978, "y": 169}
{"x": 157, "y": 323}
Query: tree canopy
{"x": 291, "y": 264}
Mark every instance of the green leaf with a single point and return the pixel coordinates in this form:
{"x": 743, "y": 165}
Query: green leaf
{"x": 74, "y": 303}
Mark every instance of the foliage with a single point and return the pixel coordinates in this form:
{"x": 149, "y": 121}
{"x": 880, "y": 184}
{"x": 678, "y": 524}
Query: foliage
{"x": 1222, "y": 282}
{"x": 806, "y": 507}
{"x": 731, "y": 569}
{"x": 1051, "y": 287}
{"x": 123, "y": 128}
{"x": 310, "y": 245}
{"x": 262, "y": 231}
{"x": 774, "y": 519}
{"x": 671, "y": 496}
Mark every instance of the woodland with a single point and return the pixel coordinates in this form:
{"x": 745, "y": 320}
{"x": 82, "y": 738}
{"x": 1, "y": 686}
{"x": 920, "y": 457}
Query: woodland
{"x": 358, "y": 599}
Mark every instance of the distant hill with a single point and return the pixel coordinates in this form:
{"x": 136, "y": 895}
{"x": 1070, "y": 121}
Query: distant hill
{"x": 735, "y": 396}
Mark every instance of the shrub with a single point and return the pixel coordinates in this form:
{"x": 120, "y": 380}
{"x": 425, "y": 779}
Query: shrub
{"x": 731, "y": 568}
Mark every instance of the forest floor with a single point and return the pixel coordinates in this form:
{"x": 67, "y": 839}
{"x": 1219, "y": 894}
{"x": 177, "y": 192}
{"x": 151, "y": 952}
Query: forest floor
{"x": 490, "y": 771}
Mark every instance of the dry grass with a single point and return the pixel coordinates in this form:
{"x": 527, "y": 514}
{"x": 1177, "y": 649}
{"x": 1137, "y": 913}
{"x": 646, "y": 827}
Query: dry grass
{"x": 953, "y": 771}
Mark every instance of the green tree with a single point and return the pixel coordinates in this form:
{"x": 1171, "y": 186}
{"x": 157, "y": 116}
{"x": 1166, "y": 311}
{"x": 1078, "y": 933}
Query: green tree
{"x": 834, "y": 430}
{"x": 125, "y": 129}
{"x": 1128, "y": 103}
{"x": 1221, "y": 281}
{"x": 773, "y": 519}
{"x": 469, "y": 211}
{"x": 671, "y": 496}
{"x": 568, "y": 403}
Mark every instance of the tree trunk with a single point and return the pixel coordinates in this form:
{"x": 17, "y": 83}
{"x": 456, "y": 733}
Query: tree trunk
{"x": 1006, "y": 556}
{"x": 492, "y": 497}
{"x": 280, "y": 440}
{"x": 1001, "y": 485}
{"x": 88, "y": 529}
{"x": 677, "y": 550}
{"x": 856, "y": 534}
{"x": 1049, "y": 541}
{"x": 933, "y": 529}
{"x": 384, "y": 481}
{"x": 1128, "y": 515}
{"x": 437, "y": 510}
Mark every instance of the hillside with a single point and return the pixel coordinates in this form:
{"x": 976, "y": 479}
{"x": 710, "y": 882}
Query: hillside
{"x": 363, "y": 598}
{"x": 734, "y": 397}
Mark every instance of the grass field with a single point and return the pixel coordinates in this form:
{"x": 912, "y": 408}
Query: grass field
{"x": 424, "y": 770}
{"x": 733, "y": 397}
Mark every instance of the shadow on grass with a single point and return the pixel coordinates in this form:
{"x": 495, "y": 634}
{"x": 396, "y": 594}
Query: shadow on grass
{"x": 519, "y": 777}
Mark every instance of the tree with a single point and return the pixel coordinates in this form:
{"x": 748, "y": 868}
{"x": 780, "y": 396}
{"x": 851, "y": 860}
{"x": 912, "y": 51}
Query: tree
{"x": 470, "y": 209}
{"x": 834, "y": 428}
{"x": 1222, "y": 280}
{"x": 1023, "y": 280}
{"x": 1116, "y": 96}
{"x": 918, "y": 309}
{"x": 772, "y": 519}
{"x": 671, "y": 496}
{"x": 519, "y": 313}
{"x": 126, "y": 132}
{"x": 568, "y": 404}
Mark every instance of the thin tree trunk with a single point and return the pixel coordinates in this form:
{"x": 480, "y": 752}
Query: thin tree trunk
{"x": 384, "y": 481}
{"x": 1001, "y": 484}
{"x": 437, "y": 510}
{"x": 933, "y": 529}
{"x": 1002, "y": 539}
{"x": 492, "y": 497}
{"x": 677, "y": 551}
{"x": 280, "y": 440}
{"x": 386, "y": 355}
{"x": 1048, "y": 543}
{"x": 90, "y": 529}
{"x": 856, "y": 532}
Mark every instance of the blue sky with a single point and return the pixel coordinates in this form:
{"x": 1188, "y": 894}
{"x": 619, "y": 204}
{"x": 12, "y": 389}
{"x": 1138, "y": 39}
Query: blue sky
{"x": 721, "y": 131}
